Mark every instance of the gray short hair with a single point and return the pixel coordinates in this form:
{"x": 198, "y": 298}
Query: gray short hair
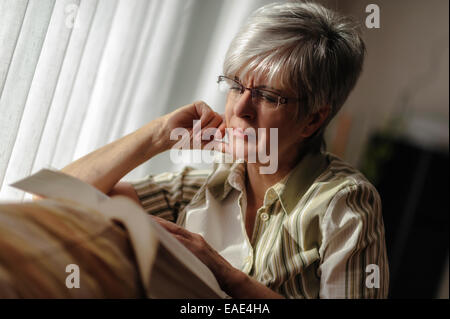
{"x": 305, "y": 47}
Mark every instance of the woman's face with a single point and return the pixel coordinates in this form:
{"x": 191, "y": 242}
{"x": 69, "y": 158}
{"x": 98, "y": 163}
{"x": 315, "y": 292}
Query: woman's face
{"x": 272, "y": 131}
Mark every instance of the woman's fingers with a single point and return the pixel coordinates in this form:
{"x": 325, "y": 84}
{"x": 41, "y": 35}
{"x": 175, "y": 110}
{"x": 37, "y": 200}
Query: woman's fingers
{"x": 211, "y": 119}
{"x": 215, "y": 138}
{"x": 215, "y": 122}
{"x": 204, "y": 112}
{"x": 207, "y": 116}
{"x": 188, "y": 239}
{"x": 210, "y": 131}
{"x": 194, "y": 242}
{"x": 222, "y": 127}
{"x": 172, "y": 227}
{"x": 178, "y": 232}
{"x": 210, "y": 127}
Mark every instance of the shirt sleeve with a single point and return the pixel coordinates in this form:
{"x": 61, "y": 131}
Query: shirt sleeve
{"x": 353, "y": 252}
{"x": 165, "y": 195}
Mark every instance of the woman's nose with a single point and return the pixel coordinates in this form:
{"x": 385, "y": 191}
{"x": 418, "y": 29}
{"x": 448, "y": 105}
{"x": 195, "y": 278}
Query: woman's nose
{"x": 243, "y": 106}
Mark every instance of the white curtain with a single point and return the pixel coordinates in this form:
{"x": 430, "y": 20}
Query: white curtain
{"x": 78, "y": 74}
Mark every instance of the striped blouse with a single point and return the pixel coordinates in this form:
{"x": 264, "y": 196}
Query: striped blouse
{"x": 319, "y": 233}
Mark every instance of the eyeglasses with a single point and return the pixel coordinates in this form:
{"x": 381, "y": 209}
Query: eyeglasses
{"x": 262, "y": 97}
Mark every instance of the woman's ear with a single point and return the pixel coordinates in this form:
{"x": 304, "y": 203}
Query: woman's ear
{"x": 315, "y": 122}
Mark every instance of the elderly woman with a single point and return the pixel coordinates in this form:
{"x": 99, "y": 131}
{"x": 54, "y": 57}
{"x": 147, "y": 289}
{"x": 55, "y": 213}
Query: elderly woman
{"x": 312, "y": 227}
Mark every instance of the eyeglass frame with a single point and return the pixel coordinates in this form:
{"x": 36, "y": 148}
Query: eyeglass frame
{"x": 281, "y": 99}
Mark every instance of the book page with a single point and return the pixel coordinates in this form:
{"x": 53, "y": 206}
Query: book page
{"x": 187, "y": 258}
{"x": 172, "y": 279}
{"x": 142, "y": 236}
{"x": 57, "y": 185}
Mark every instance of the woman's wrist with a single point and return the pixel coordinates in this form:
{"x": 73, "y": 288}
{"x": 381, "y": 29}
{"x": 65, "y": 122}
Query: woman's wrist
{"x": 157, "y": 137}
{"x": 231, "y": 280}
{"x": 238, "y": 284}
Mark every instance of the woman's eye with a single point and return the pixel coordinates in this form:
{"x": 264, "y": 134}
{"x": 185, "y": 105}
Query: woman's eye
{"x": 269, "y": 97}
{"x": 236, "y": 88}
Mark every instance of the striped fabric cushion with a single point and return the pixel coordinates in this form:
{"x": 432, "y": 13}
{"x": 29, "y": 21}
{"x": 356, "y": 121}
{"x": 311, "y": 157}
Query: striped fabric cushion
{"x": 167, "y": 194}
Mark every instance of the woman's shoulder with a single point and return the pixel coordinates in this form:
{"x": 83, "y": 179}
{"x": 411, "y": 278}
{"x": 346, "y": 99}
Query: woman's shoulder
{"x": 341, "y": 182}
{"x": 342, "y": 173}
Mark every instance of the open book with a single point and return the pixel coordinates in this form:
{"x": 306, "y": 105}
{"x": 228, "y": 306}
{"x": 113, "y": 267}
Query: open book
{"x": 167, "y": 268}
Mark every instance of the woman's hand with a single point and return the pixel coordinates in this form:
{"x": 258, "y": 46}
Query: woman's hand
{"x": 184, "y": 117}
{"x": 233, "y": 281}
{"x": 225, "y": 273}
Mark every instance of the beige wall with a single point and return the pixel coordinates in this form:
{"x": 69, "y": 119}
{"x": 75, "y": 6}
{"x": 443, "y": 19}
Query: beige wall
{"x": 405, "y": 73}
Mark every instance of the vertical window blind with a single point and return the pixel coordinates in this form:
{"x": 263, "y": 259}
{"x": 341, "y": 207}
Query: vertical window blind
{"x": 78, "y": 74}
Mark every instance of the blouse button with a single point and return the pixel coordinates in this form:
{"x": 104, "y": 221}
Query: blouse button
{"x": 264, "y": 217}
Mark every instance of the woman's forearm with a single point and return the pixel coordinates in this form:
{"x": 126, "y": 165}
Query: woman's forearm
{"x": 104, "y": 167}
{"x": 236, "y": 283}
